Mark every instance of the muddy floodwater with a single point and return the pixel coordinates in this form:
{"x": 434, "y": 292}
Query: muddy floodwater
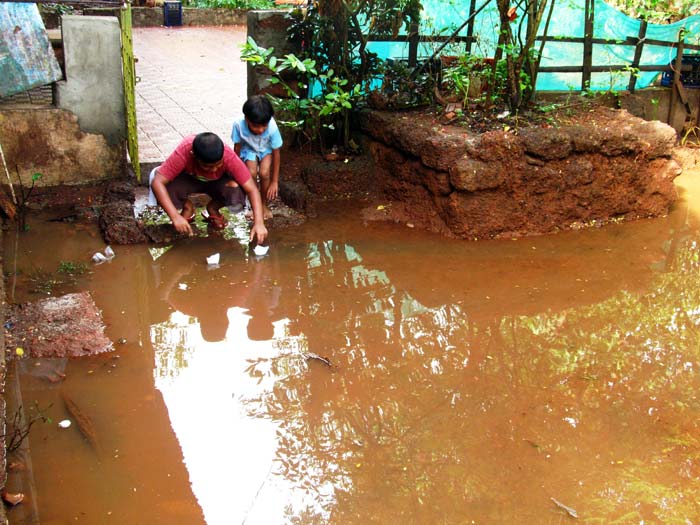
{"x": 371, "y": 373}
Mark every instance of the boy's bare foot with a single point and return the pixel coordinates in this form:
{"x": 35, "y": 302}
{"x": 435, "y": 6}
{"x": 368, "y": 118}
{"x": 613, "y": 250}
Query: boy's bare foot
{"x": 267, "y": 213}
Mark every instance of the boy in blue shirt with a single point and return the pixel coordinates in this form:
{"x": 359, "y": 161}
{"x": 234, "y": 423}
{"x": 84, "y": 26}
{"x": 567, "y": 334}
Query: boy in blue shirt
{"x": 257, "y": 141}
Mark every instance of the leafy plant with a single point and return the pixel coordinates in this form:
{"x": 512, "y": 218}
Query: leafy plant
{"x": 402, "y": 87}
{"x": 655, "y": 105}
{"x": 305, "y": 114}
{"x": 23, "y": 198}
{"x": 43, "y": 282}
{"x": 517, "y": 47}
{"x": 232, "y": 4}
{"x": 334, "y": 34}
{"x": 58, "y": 9}
{"x": 72, "y": 268}
{"x": 658, "y": 11}
{"x": 458, "y": 79}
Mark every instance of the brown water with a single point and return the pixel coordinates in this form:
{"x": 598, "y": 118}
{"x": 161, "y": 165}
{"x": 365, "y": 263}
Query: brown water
{"x": 468, "y": 382}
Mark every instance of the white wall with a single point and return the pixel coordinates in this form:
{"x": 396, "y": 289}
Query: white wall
{"x": 93, "y": 89}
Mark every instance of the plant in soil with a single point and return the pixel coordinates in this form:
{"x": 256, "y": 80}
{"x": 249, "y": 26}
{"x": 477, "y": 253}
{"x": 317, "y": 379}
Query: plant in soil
{"x": 335, "y": 68}
{"x": 311, "y": 115}
{"x": 231, "y": 4}
{"x": 43, "y": 282}
{"x": 23, "y": 199}
{"x": 72, "y": 268}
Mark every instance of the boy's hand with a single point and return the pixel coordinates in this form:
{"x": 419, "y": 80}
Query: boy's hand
{"x": 272, "y": 191}
{"x": 181, "y": 225}
{"x": 259, "y": 233}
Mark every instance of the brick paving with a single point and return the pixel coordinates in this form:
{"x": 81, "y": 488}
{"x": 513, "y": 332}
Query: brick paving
{"x": 191, "y": 80}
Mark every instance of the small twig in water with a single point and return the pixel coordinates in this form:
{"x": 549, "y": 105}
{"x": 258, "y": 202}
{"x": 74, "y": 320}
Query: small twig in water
{"x": 316, "y": 357}
{"x": 18, "y": 430}
{"x": 571, "y": 512}
{"x": 85, "y": 425}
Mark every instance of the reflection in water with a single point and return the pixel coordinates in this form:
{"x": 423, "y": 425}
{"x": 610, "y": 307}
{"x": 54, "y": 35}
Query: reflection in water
{"x": 434, "y": 418}
{"x": 464, "y": 383}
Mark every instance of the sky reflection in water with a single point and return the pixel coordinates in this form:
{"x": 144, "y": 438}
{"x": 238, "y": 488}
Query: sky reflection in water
{"x": 451, "y": 409}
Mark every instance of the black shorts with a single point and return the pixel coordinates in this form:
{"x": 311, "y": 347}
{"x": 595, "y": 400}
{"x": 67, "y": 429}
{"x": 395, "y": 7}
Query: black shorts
{"x": 184, "y": 185}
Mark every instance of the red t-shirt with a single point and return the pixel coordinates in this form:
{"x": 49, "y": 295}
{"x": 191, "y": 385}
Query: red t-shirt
{"x": 182, "y": 160}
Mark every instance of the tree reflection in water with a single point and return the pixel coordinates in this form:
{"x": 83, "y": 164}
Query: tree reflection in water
{"x": 430, "y": 416}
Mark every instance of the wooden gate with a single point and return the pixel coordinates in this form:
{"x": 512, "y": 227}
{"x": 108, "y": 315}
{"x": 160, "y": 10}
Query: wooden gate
{"x": 130, "y": 89}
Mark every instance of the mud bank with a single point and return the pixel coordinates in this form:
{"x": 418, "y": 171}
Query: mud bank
{"x": 603, "y": 165}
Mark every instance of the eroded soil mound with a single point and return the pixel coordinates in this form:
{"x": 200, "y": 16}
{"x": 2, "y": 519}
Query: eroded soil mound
{"x": 595, "y": 166}
{"x": 66, "y": 326}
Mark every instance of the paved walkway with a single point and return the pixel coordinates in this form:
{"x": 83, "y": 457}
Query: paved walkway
{"x": 191, "y": 80}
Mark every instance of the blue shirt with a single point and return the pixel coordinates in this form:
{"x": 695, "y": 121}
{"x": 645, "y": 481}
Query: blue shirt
{"x": 255, "y": 147}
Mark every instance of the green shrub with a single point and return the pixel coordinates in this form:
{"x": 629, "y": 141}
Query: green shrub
{"x": 232, "y": 4}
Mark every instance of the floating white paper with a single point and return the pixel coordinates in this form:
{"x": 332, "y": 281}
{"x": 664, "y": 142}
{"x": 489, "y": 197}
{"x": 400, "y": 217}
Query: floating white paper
{"x": 213, "y": 259}
{"x": 261, "y": 250}
{"x": 108, "y": 255}
{"x": 64, "y": 423}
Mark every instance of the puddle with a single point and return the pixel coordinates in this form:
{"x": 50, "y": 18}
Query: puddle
{"x": 375, "y": 374}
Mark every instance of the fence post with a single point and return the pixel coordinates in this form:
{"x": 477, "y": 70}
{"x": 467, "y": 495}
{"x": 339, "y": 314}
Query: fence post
{"x": 637, "y": 55}
{"x": 470, "y": 27}
{"x": 589, "y": 15}
{"x": 677, "y": 66}
{"x": 413, "y": 45}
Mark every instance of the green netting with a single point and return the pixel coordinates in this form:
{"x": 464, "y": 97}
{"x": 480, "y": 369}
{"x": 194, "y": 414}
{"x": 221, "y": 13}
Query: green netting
{"x": 440, "y": 17}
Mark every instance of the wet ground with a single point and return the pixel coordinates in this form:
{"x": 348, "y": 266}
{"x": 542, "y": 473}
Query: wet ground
{"x": 365, "y": 373}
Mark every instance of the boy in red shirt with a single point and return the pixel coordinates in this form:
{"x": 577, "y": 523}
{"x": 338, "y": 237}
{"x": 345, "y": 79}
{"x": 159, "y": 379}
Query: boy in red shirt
{"x": 203, "y": 164}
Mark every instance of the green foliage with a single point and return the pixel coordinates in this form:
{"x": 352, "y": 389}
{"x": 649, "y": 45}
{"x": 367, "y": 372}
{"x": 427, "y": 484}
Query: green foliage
{"x": 402, "y": 88}
{"x": 463, "y": 78}
{"x": 46, "y": 283}
{"x": 58, "y": 9}
{"x": 307, "y": 115}
{"x": 332, "y": 35}
{"x": 72, "y": 268}
{"x": 658, "y": 11}
{"x": 43, "y": 282}
{"x": 23, "y": 198}
{"x": 232, "y": 4}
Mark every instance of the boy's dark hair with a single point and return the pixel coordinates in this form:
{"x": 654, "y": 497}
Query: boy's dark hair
{"x": 208, "y": 148}
{"x": 258, "y": 109}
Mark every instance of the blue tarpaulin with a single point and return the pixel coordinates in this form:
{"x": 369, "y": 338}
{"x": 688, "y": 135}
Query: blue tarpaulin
{"x": 444, "y": 16}
{"x": 26, "y": 57}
